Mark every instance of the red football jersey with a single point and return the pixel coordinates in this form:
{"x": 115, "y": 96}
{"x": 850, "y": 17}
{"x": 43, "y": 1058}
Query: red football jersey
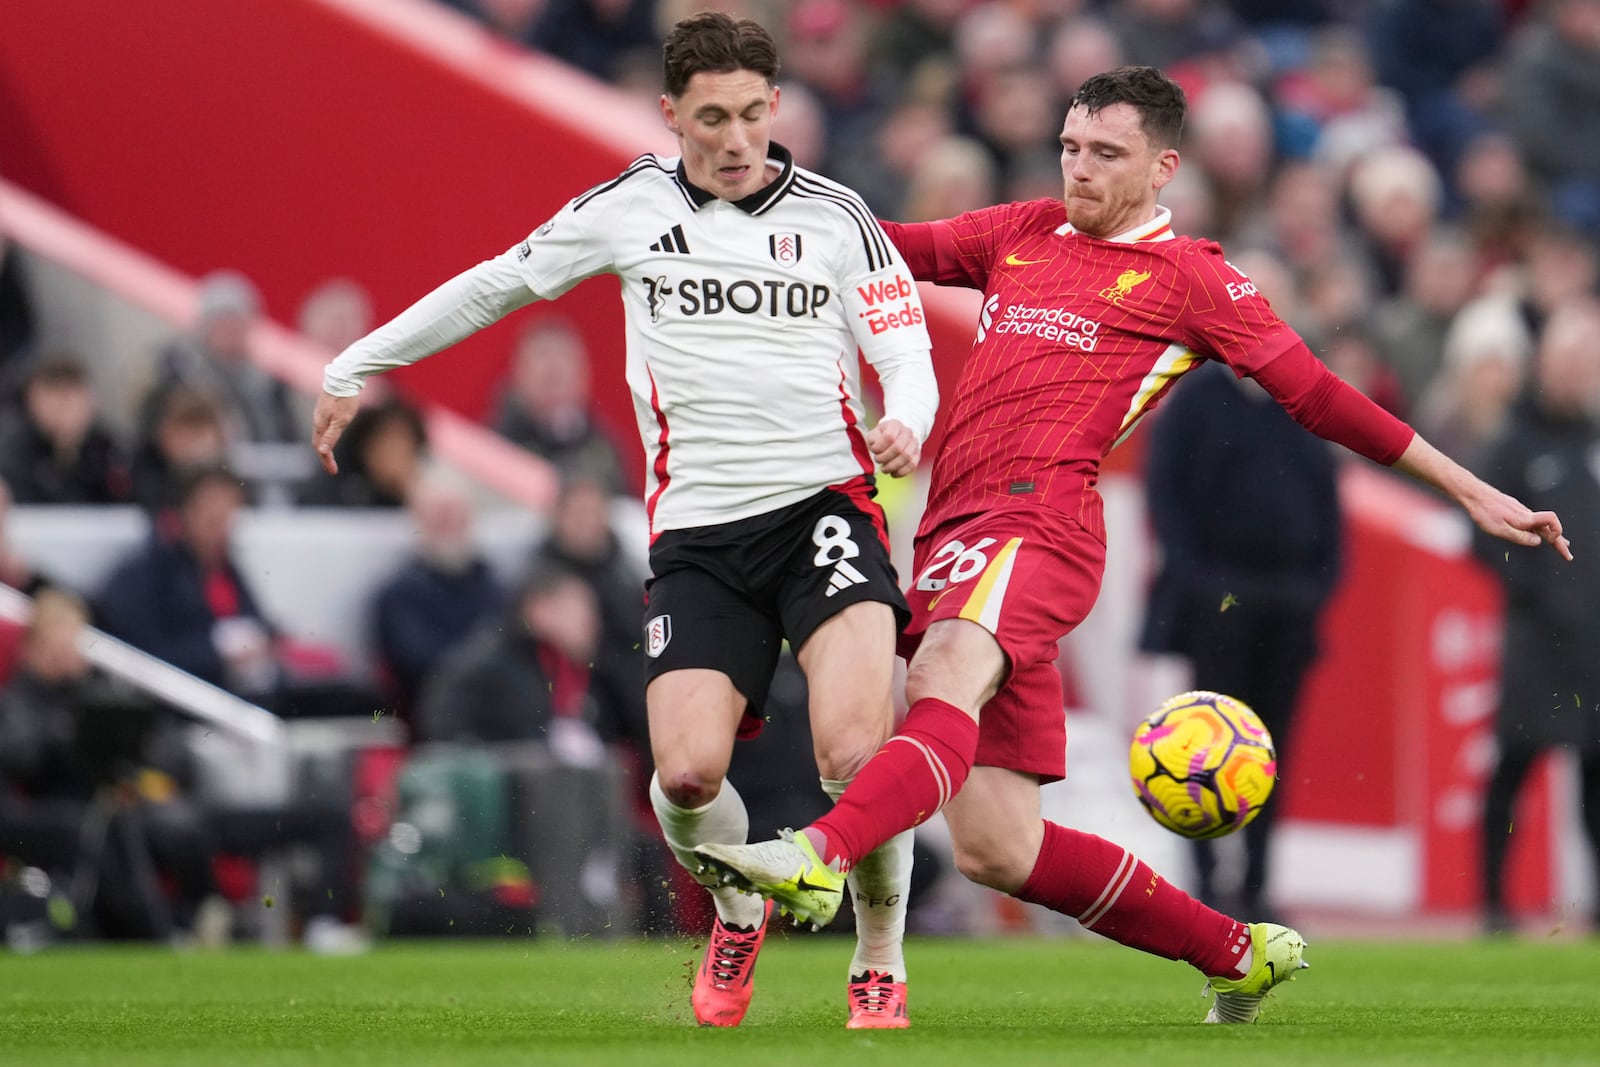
{"x": 1079, "y": 337}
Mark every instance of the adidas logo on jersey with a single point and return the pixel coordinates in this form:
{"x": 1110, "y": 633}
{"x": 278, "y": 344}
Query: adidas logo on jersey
{"x": 843, "y": 577}
{"x": 672, "y": 242}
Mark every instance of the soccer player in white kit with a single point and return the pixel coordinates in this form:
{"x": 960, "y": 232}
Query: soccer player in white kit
{"x": 748, "y": 285}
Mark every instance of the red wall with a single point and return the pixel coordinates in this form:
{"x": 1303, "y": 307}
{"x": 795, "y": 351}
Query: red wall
{"x": 295, "y": 141}
{"x": 1396, "y": 725}
{"x": 279, "y": 137}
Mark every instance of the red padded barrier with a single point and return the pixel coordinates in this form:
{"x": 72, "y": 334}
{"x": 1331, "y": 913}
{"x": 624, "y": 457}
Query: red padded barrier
{"x": 389, "y": 140}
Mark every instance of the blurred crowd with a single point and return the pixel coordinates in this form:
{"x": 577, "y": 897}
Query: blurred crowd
{"x": 1412, "y": 181}
{"x": 1415, "y": 185}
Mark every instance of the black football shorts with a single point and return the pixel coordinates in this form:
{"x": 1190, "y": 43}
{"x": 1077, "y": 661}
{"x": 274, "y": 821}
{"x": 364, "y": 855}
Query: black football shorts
{"x": 726, "y": 597}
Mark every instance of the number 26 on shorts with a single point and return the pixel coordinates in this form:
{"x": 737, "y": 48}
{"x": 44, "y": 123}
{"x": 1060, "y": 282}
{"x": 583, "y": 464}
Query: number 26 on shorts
{"x": 962, "y": 561}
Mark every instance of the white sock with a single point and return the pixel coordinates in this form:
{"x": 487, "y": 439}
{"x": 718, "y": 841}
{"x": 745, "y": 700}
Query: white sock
{"x": 725, "y": 821}
{"x": 879, "y": 884}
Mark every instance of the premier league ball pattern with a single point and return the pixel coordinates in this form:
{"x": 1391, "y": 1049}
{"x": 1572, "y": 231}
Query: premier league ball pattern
{"x": 1203, "y": 764}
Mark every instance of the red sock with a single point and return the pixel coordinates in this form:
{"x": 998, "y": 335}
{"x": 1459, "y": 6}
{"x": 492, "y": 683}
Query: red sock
{"x": 911, "y": 777}
{"x": 1115, "y": 894}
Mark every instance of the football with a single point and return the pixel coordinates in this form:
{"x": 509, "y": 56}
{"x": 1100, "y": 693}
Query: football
{"x": 1203, "y": 764}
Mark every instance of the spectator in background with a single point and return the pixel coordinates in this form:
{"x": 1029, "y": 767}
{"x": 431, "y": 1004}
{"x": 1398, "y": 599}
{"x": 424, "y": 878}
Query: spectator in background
{"x": 1330, "y": 109}
{"x": 546, "y": 406}
{"x": 524, "y": 676}
{"x": 1560, "y": 266}
{"x": 595, "y": 35}
{"x": 880, "y": 167}
{"x": 1352, "y": 354}
{"x": 992, "y": 39}
{"x": 1301, "y": 223}
{"x": 958, "y": 174}
{"x": 1245, "y": 509}
{"x": 1166, "y": 33}
{"x": 182, "y": 598}
{"x": 801, "y": 126}
{"x": 15, "y": 571}
{"x": 1485, "y": 355}
{"x": 436, "y": 598}
{"x": 1335, "y": 294}
{"x": 1550, "y": 104}
{"x": 186, "y": 433}
{"x": 1550, "y": 673}
{"x": 1016, "y": 121}
{"x": 214, "y": 360}
{"x": 1496, "y": 202}
{"x": 1229, "y": 137}
{"x": 1396, "y": 196}
{"x": 827, "y": 53}
{"x": 58, "y": 451}
{"x": 17, "y": 327}
{"x": 581, "y": 540}
{"x": 109, "y": 755}
{"x": 1081, "y": 47}
{"x": 388, "y": 447}
{"x": 336, "y": 314}
{"x": 92, "y": 788}
{"x": 1409, "y": 328}
{"x": 512, "y": 19}
{"x": 916, "y": 35}
{"x": 1438, "y": 54}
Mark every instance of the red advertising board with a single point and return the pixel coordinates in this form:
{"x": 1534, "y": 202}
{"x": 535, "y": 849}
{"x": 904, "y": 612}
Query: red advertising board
{"x": 1396, "y": 730}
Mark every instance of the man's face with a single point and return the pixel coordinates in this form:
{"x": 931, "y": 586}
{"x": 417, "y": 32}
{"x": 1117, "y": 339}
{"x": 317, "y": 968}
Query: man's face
{"x": 63, "y": 411}
{"x": 208, "y": 520}
{"x": 226, "y": 336}
{"x": 724, "y": 124}
{"x": 1111, "y": 170}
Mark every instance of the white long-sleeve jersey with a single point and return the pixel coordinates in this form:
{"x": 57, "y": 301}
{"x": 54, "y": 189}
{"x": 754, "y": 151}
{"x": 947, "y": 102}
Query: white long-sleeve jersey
{"x": 742, "y": 323}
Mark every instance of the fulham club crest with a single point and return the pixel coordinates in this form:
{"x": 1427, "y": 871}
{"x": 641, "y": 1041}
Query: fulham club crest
{"x": 657, "y": 632}
{"x": 785, "y": 248}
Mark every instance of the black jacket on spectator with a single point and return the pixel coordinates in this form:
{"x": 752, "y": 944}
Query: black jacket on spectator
{"x": 588, "y": 450}
{"x": 156, "y": 601}
{"x": 98, "y": 474}
{"x": 255, "y": 405}
{"x": 1550, "y": 683}
{"x": 501, "y": 684}
{"x": 17, "y": 326}
{"x": 63, "y": 740}
{"x": 619, "y": 661}
{"x": 1244, "y": 503}
{"x": 424, "y": 611}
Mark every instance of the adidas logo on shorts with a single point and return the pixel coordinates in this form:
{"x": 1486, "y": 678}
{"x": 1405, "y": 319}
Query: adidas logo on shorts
{"x": 843, "y": 577}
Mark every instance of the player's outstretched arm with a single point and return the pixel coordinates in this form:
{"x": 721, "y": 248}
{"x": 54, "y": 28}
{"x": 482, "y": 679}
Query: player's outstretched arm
{"x": 455, "y": 310}
{"x": 1495, "y": 512}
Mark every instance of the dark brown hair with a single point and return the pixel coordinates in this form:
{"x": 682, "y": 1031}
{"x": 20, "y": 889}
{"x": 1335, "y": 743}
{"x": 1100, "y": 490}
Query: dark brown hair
{"x": 716, "y": 43}
{"x": 1159, "y": 100}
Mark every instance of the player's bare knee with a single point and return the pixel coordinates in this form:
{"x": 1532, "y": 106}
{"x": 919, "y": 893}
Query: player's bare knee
{"x": 932, "y": 679}
{"x": 984, "y": 866}
{"x": 991, "y": 864}
{"x": 841, "y": 756}
{"x": 689, "y": 789}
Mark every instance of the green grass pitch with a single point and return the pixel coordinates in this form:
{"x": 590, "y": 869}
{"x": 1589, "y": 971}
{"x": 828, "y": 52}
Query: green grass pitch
{"x": 1073, "y": 1001}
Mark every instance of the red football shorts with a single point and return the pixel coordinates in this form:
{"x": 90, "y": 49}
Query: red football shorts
{"x": 1028, "y": 574}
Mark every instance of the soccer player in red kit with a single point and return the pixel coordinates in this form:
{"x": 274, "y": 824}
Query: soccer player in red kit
{"x": 1092, "y": 309}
